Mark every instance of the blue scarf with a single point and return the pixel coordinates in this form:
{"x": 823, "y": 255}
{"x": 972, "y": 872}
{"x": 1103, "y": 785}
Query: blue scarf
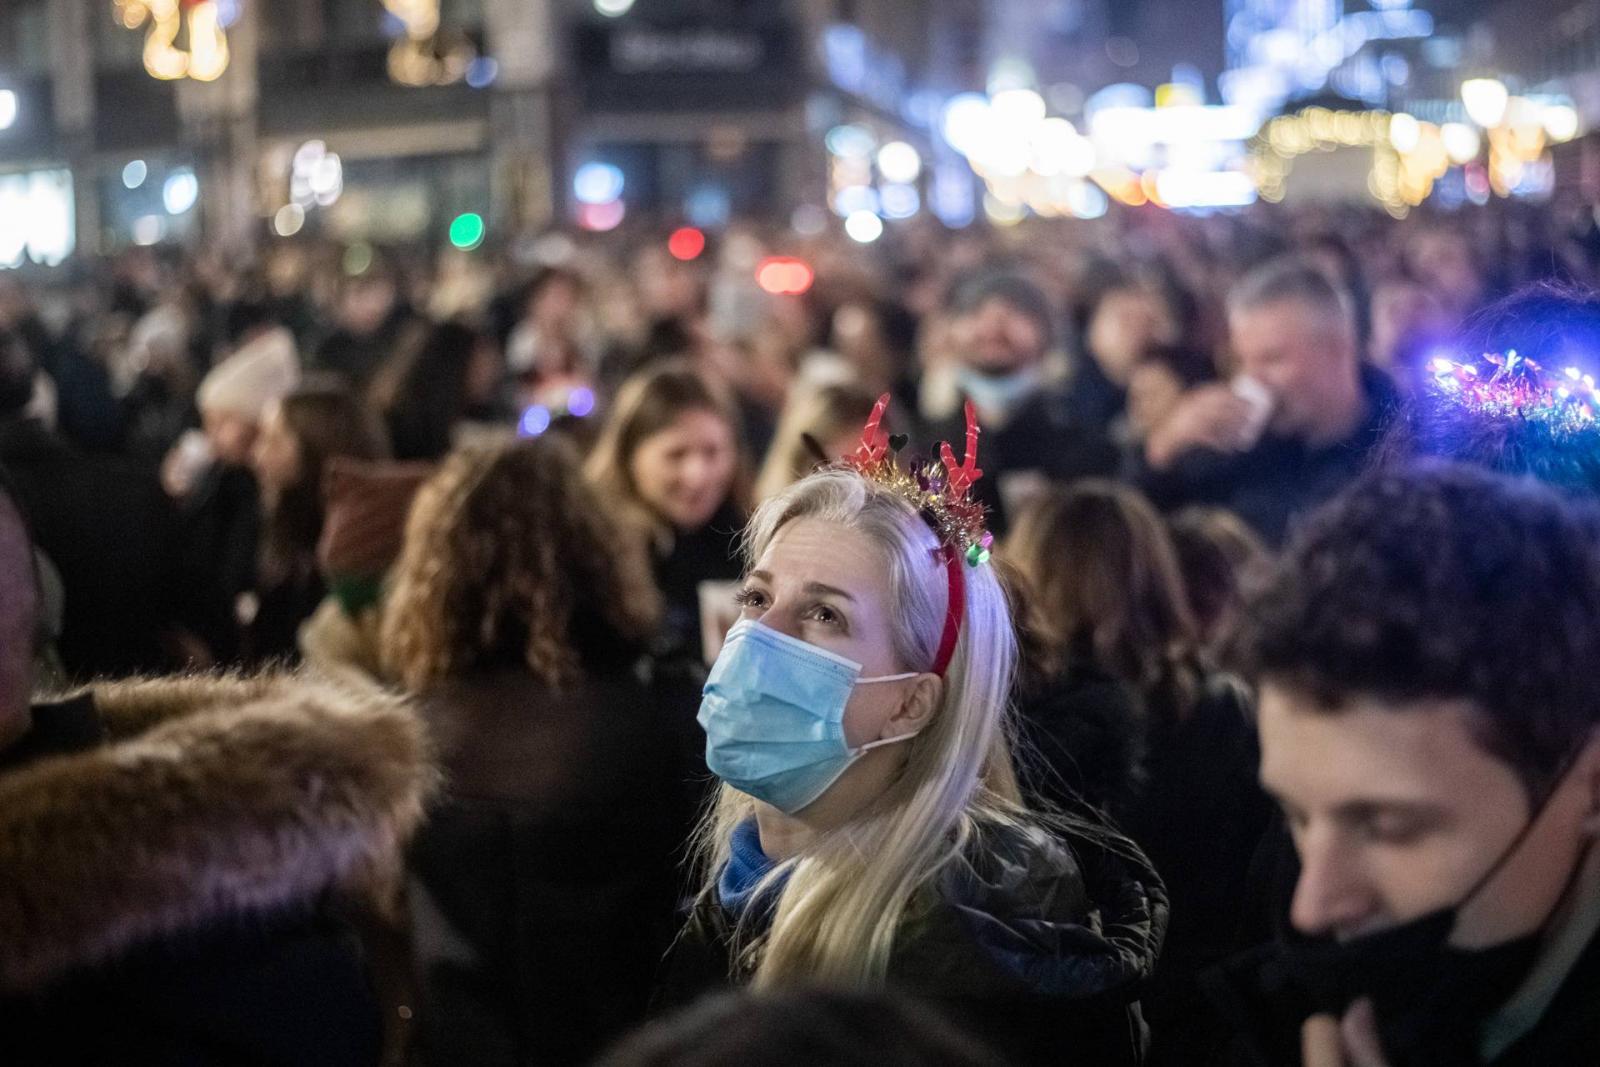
{"x": 746, "y": 866}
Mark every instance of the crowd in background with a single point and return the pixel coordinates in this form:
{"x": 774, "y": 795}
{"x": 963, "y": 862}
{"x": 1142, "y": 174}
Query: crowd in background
{"x": 511, "y": 484}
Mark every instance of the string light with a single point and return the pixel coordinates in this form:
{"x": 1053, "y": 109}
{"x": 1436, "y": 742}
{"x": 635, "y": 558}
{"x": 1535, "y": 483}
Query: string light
{"x": 206, "y": 55}
{"x": 1511, "y": 386}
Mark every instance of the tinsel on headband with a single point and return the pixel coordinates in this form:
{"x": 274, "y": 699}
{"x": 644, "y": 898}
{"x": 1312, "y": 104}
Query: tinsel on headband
{"x": 940, "y": 490}
{"x": 1511, "y": 387}
{"x": 1509, "y": 414}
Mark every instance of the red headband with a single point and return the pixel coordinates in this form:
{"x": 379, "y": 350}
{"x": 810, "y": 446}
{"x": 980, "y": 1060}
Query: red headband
{"x": 941, "y": 493}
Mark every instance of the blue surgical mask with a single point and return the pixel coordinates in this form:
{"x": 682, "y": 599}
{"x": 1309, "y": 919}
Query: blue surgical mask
{"x": 773, "y": 713}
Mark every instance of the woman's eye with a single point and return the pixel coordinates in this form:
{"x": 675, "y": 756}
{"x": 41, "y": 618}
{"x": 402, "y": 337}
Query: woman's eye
{"x": 750, "y": 598}
{"x": 827, "y": 616}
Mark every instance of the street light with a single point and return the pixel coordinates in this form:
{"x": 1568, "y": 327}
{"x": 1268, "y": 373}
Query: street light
{"x": 8, "y": 108}
{"x": 1486, "y": 100}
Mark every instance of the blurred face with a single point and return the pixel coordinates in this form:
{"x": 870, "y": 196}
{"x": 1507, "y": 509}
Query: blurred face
{"x": 997, "y": 337}
{"x": 1397, "y": 813}
{"x": 231, "y": 434}
{"x": 1304, "y": 356}
{"x": 1126, "y": 322}
{"x": 276, "y": 457}
{"x": 684, "y": 472}
{"x": 556, "y": 305}
{"x": 1153, "y": 391}
{"x": 367, "y": 304}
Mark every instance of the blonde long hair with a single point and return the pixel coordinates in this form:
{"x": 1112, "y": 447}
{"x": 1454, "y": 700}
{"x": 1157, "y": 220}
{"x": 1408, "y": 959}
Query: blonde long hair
{"x": 841, "y": 901}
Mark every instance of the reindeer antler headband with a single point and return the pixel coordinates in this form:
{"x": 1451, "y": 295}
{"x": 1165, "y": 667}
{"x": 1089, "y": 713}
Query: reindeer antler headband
{"x": 941, "y": 492}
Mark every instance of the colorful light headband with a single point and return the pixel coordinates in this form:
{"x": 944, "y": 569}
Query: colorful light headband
{"x": 1511, "y": 386}
{"x": 941, "y": 493}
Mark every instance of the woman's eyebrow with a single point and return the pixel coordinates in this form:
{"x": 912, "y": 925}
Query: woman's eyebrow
{"x": 815, "y": 588}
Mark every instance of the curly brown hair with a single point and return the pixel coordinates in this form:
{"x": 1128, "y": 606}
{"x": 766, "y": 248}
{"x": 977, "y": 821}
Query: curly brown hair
{"x": 1443, "y": 581}
{"x": 510, "y": 558}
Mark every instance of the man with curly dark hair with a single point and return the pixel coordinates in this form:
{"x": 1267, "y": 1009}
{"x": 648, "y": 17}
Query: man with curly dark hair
{"x": 1428, "y": 724}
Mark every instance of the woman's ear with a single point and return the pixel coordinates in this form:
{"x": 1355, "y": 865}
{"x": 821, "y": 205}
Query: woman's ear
{"x": 916, "y": 711}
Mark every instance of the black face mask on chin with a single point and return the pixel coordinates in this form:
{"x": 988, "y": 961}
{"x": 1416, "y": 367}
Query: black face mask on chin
{"x": 1430, "y": 997}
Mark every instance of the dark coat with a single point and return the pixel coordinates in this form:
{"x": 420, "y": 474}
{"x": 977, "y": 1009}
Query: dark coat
{"x": 1279, "y": 478}
{"x": 111, "y": 532}
{"x": 164, "y": 893}
{"x": 220, "y": 536}
{"x": 1046, "y": 435}
{"x": 1261, "y": 1006}
{"x": 543, "y": 888}
{"x": 1184, "y": 788}
{"x": 1038, "y": 946}
{"x": 681, "y": 561}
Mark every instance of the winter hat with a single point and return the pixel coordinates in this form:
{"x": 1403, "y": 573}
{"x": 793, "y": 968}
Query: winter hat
{"x": 259, "y": 372}
{"x": 971, "y": 292}
{"x": 366, "y": 505}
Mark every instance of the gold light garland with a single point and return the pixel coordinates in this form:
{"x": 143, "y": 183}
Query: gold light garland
{"x": 205, "y": 56}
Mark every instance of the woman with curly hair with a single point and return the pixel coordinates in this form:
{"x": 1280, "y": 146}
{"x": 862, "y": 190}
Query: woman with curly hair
{"x": 543, "y": 885}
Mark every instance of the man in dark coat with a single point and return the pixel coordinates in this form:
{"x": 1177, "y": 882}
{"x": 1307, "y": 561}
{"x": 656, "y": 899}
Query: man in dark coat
{"x": 1430, "y": 728}
{"x": 104, "y": 522}
{"x": 1299, "y": 423}
{"x": 1004, "y": 361}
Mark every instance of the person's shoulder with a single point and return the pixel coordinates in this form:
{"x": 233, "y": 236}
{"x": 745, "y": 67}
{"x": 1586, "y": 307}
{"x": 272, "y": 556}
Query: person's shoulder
{"x": 1030, "y": 908}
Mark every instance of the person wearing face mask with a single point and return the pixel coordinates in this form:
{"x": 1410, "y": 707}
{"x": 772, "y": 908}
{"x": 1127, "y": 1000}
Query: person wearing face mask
{"x": 669, "y": 461}
{"x": 1428, "y": 728}
{"x": 1002, "y": 358}
{"x": 1298, "y": 423}
{"x": 869, "y": 833}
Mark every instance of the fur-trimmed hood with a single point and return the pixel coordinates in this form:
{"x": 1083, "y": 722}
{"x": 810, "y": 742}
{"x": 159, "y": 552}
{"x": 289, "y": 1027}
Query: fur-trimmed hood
{"x": 214, "y": 797}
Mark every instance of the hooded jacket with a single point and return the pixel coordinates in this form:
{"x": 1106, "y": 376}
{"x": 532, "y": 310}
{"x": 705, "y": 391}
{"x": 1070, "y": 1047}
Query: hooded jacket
{"x": 163, "y": 894}
{"x": 1036, "y": 944}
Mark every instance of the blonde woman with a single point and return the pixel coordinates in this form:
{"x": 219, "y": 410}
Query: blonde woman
{"x": 830, "y": 415}
{"x": 670, "y": 463}
{"x": 869, "y": 832}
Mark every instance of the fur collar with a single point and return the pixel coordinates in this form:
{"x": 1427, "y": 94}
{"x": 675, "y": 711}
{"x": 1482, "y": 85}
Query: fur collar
{"x": 214, "y": 797}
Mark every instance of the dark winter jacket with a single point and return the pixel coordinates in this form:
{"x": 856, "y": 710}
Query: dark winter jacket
{"x": 168, "y": 860}
{"x": 1045, "y": 436}
{"x": 680, "y": 562}
{"x": 111, "y": 532}
{"x": 544, "y": 886}
{"x": 1036, "y": 945}
{"x": 1279, "y": 478}
{"x": 1262, "y": 1007}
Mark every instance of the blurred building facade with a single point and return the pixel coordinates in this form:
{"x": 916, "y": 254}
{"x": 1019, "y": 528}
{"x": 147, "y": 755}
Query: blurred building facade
{"x": 386, "y": 119}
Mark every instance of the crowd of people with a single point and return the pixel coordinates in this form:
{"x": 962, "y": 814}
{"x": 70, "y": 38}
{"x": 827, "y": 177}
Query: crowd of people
{"x": 569, "y": 652}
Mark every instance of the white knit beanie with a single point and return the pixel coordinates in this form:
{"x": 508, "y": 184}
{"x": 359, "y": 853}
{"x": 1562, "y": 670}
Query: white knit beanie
{"x": 262, "y": 371}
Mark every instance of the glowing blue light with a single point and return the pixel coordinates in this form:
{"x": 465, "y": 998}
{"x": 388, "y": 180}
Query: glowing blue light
{"x": 597, "y": 183}
{"x": 534, "y": 421}
{"x": 580, "y": 402}
{"x": 481, "y": 72}
{"x": 1573, "y": 372}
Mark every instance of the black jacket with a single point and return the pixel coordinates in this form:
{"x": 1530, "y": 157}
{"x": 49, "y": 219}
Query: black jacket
{"x": 1035, "y": 945}
{"x": 680, "y": 562}
{"x": 1279, "y": 478}
{"x": 1046, "y": 435}
{"x": 544, "y": 886}
{"x": 169, "y": 854}
{"x": 1261, "y": 1006}
{"x": 112, "y": 533}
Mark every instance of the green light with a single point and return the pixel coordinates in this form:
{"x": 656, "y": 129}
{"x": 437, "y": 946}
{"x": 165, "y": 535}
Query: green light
{"x": 466, "y": 232}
